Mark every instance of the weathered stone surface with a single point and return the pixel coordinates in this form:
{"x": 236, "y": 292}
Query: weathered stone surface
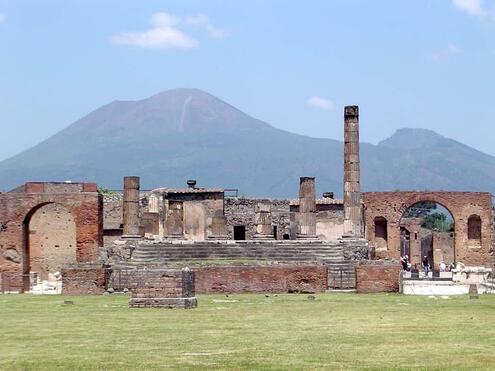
{"x": 84, "y": 280}
{"x": 275, "y": 279}
{"x": 373, "y": 278}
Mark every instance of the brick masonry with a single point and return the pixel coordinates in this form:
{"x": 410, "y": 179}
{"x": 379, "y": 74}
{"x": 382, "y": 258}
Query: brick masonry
{"x": 84, "y": 281}
{"x": 462, "y": 205}
{"x": 377, "y": 278}
{"x": 253, "y": 279}
{"x": 164, "y": 288}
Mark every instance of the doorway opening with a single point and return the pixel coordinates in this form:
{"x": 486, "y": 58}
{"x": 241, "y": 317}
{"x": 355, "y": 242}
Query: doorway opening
{"x": 239, "y": 232}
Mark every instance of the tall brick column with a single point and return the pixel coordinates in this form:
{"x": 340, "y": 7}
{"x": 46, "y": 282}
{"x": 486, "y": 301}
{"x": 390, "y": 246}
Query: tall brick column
{"x": 307, "y": 208}
{"x": 352, "y": 181}
{"x": 131, "y": 206}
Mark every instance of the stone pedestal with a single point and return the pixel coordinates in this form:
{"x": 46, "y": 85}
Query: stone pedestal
{"x": 165, "y": 289}
{"x": 307, "y": 209}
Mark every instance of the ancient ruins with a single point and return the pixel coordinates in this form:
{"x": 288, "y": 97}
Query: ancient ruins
{"x": 167, "y": 244}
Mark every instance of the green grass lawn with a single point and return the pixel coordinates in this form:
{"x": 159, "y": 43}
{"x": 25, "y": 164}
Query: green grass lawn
{"x": 248, "y": 332}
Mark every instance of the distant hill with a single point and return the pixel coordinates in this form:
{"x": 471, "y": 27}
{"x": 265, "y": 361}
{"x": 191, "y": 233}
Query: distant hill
{"x": 187, "y": 133}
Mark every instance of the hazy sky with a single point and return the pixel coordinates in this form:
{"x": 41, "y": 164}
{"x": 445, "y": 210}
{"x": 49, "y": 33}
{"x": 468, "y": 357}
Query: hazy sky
{"x": 293, "y": 64}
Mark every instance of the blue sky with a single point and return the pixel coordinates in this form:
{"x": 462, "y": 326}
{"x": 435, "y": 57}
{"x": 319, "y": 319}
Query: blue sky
{"x": 293, "y": 64}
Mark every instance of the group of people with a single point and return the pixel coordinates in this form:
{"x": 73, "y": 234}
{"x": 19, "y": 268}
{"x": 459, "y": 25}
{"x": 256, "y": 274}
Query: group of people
{"x": 406, "y": 265}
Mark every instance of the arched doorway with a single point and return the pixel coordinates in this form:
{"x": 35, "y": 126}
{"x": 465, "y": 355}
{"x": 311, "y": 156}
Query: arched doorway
{"x": 49, "y": 243}
{"x": 427, "y": 229}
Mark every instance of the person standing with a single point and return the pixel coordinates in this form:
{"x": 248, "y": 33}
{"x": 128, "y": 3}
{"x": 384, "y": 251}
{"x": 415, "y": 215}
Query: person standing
{"x": 426, "y": 266}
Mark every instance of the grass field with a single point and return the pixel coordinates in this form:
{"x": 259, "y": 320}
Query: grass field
{"x": 248, "y": 332}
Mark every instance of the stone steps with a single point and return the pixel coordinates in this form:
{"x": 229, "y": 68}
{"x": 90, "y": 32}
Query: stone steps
{"x": 170, "y": 252}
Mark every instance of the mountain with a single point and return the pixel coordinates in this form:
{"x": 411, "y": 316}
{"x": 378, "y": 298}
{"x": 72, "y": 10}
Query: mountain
{"x": 186, "y": 133}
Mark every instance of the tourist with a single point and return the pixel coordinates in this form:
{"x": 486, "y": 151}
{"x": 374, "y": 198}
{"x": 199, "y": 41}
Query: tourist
{"x": 403, "y": 261}
{"x": 426, "y": 266}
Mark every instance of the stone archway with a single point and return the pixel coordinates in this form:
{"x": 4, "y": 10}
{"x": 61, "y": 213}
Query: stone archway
{"x": 427, "y": 230}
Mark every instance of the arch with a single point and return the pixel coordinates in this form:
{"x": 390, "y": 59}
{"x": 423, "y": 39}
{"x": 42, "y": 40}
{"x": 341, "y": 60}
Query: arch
{"x": 49, "y": 240}
{"x": 381, "y": 233}
{"x": 406, "y": 205}
{"x": 474, "y": 228}
{"x": 421, "y": 234}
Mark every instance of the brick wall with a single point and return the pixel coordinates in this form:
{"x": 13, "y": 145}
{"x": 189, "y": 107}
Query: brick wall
{"x": 377, "y": 278}
{"x": 274, "y": 279}
{"x": 83, "y": 281}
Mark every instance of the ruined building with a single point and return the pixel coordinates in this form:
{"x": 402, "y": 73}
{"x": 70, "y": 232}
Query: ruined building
{"x": 71, "y": 234}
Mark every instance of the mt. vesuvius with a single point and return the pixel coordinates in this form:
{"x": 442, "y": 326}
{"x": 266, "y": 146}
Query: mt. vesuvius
{"x": 187, "y": 133}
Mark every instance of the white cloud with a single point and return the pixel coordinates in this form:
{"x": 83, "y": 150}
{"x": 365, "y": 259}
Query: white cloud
{"x": 473, "y": 8}
{"x": 450, "y": 51}
{"x": 202, "y": 20}
{"x": 3, "y": 17}
{"x": 165, "y": 33}
{"x": 321, "y": 103}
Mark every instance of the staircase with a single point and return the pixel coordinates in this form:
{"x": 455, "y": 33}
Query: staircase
{"x": 341, "y": 273}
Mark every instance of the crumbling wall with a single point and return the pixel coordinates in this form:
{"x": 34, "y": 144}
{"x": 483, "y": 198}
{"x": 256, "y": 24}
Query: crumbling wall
{"x": 241, "y": 211}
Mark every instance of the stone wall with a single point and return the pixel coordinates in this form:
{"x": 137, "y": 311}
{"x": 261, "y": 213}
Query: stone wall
{"x": 372, "y": 278}
{"x": 241, "y": 211}
{"x": 252, "y": 279}
{"x": 462, "y": 205}
{"x": 84, "y": 281}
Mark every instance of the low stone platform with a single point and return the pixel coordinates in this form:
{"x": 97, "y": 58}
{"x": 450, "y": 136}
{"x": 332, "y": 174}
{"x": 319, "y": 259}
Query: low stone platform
{"x": 433, "y": 288}
{"x": 164, "y": 288}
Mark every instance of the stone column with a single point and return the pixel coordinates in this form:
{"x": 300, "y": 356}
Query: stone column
{"x": 307, "y": 208}
{"x": 131, "y": 207}
{"x": 154, "y": 203}
{"x": 352, "y": 181}
{"x": 174, "y": 220}
{"x": 263, "y": 221}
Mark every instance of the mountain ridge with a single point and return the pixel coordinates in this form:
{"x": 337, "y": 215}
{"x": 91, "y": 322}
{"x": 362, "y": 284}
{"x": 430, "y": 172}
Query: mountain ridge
{"x": 187, "y": 133}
